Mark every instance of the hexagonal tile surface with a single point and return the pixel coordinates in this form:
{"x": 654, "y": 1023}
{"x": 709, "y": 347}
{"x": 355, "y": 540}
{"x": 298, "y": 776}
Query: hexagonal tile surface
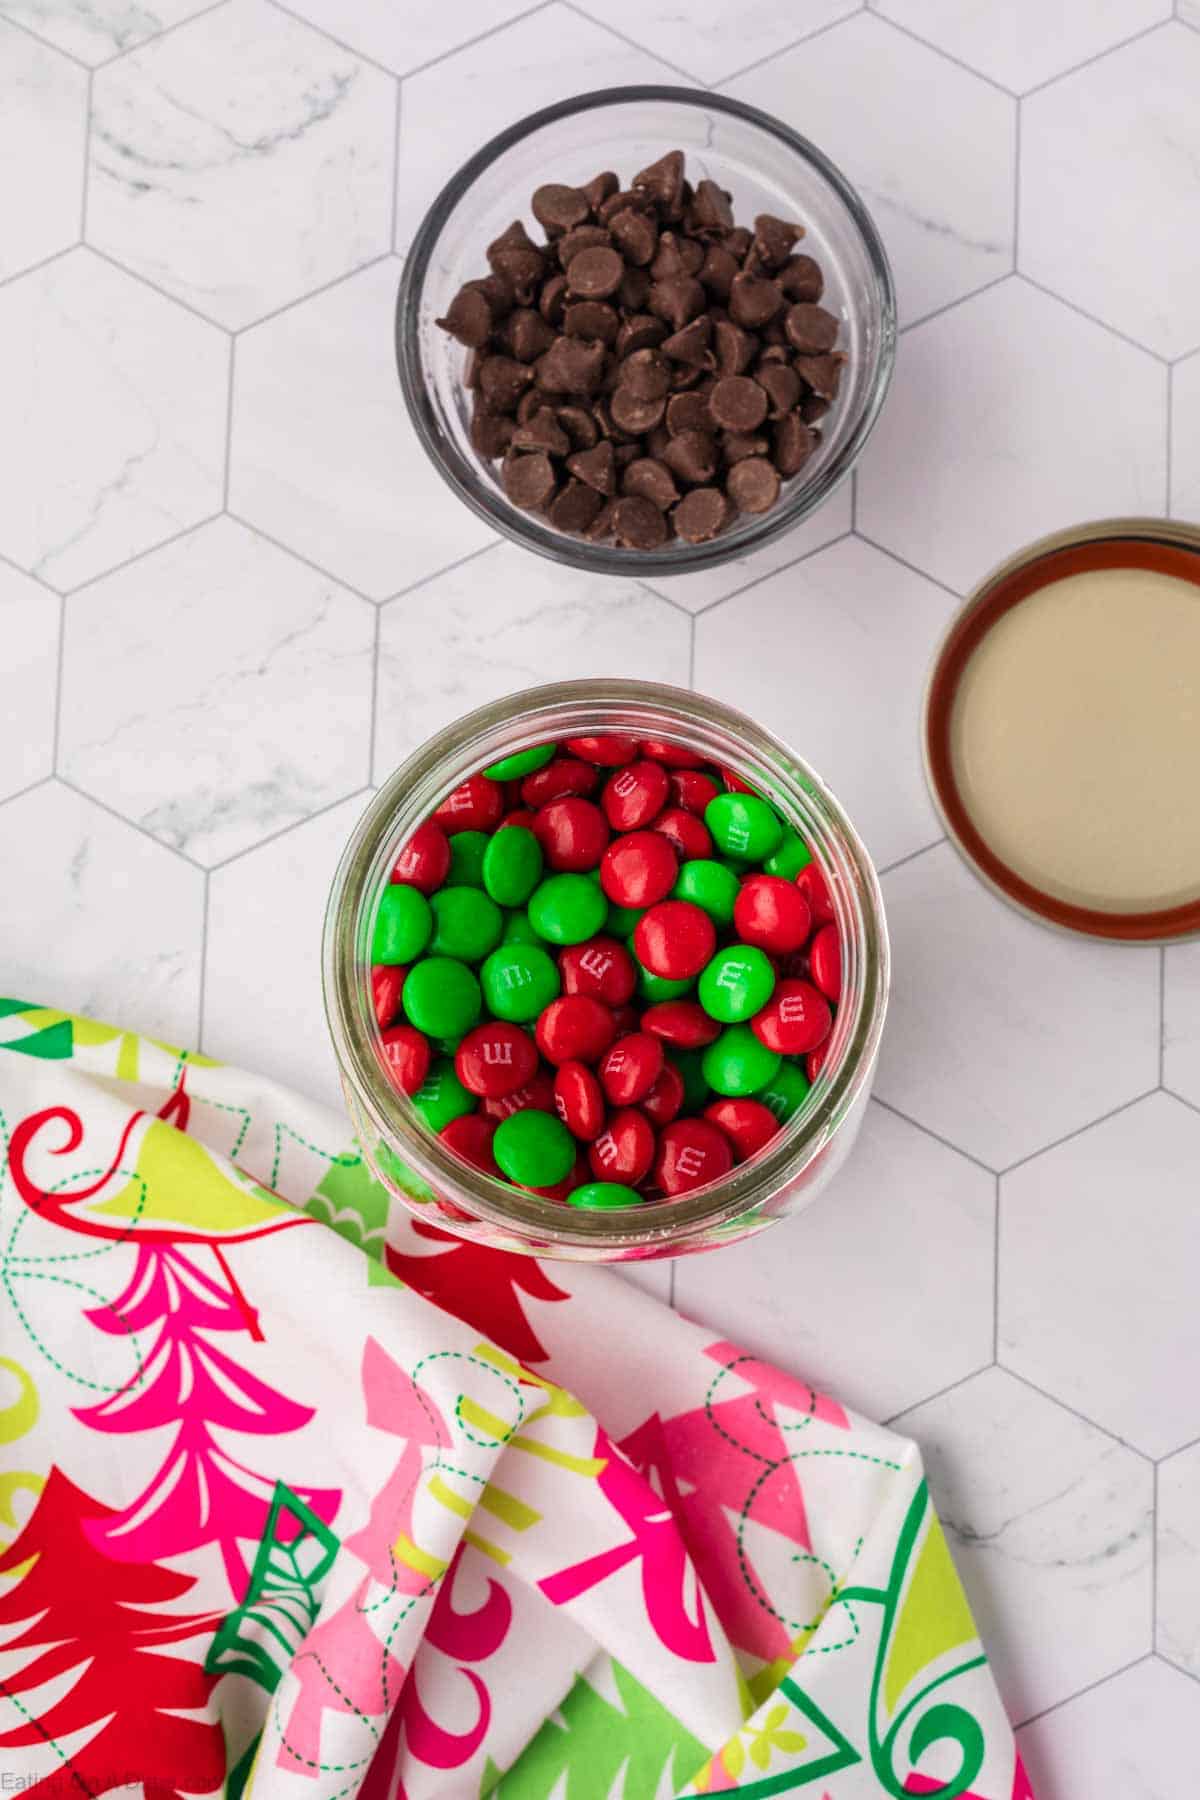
{"x": 202, "y": 144}
{"x": 506, "y": 621}
{"x": 1003, "y": 1035}
{"x": 1181, "y": 1021}
{"x": 1104, "y": 1232}
{"x": 95, "y": 30}
{"x": 709, "y": 40}
{"x": 323, "y": 456}
{"x": 1132, "y": 1738}
{"x": 937, "y": 177}
{"x": 41, "y": 126}
{"x": 405, "y": 38}
{"x": 241, "y": 699}
{"x": 954, "y": 498}
{"x": 112, "y": 431}
{"x": 28, "y": 676}
{"x": 706, "y": 587}
{"x": 1178, "y": 1612}
{"x": 262, "y": 980}
{"x": 1093, "y": 145}
{"x": 1025, "y": 42}
{"x": 1050, "y": 1523}
{"x": 102, "y": 920}
{"x": 881, "y": 1332}
{"x": 864, "y": 628}
{"x": 448, "y": 111}
{"x": 1185, "y": 439}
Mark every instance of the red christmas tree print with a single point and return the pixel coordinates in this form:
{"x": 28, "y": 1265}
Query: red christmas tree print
{"x": 481, "y": 1287}
{"x": 81, "y": 1610}
{"x": 201, "y": 1494}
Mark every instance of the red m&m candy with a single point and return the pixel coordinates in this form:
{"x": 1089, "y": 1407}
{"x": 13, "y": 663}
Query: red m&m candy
{"x": 387, "y": 985}
{"x": 666, "y": 1097}
{"x": 675, "y": 939}
{"x": 470, "y": 1136}
{"x": 691, "y": 1153}
{"x": 572, "y": 832}
{"x": 575, "y": 1028}
{"x": 825, "y": 961}
{"x": 424, "y": 862}
{"x": 629, "y": 1070}
{"x": 579, "y": 1101}
{"x": 815, "y": 1061}
{"x": 635, "y": 795}
{"x": 624, "y": 1150}
{"x": 475, "y": 805}
{"x": 569, "y": 776}
{"x": 638, "y": 868}
{"x": 602, "y": 968}
{"x": 796, "y": 1018}
{"x": 692, "y": 790}
{"x": 536, "y": 1096}
{"x": 681, "y": 1022}
{"x": 406, "y": 1056}
{"x": 771, "y": 913}
{"x": 813, "y": 886}
{"x": 748, "y": 1124}
{"x": 495, "y": 1059}
{"x": 690, "y": 835}
{"x": 610, "y": 749}
{"x": 675, "y": 756}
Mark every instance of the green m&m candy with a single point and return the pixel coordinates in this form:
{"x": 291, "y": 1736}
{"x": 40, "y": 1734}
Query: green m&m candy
{"x": 518, "y": 930}
{"x": 737, "y": 983}
{"x": 534, "y": 1148}
{"x": 466, "y": 924}
{"x": 442, "y": 1096}
{"x": 441, "y": 997}
{"x": 521, "y": 762}
{"x": 622, "y": 920}
{"x": 466, "y": 859}
{"x": 567, "y": 909}
{"x": 654, "y": 988}
{"x": 709, "y": 885}
{"x": 790, "y": 856}
{"x": 604, "y": 1196}
{"x": 742, "y": 825}
{"x": 402, "y": 924}
{"x": 512, "y": 865}
{"x": 696, "y": 1088}
{"x": 786, "y": 1091}
{"x": 737, "y": 1064}
{"x": 518, "y": 981}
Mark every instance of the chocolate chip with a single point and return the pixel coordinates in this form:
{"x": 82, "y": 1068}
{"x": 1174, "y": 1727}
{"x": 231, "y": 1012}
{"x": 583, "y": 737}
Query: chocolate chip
{"x": 601, "y": 525}
{"x": 753, "y": 300}
{"x": 810, "y": 328}
{"x": 736, "y": 446}
{"x": 556, "y": 208}
{"x": 579, "y": 426}
{"x": 525, "y": 334}
{"x": 738, "y": 242}
{"x": 571, "y": 366}
{"x": 491, "y": 433}
{"x": 773, "y": 240}
{"x": 646, "y": 375}
{"x": 638, "y": 524}
{"x": 591, "y": 319}
{"x": 663, "y": 181}
{"x": 575, "y": 507}
{"x": 529, "y": 481}
{"x": 532, "y": 401}
{"x": 642, "y": 331}
{"x": 620, "y": 200}
{"x": 812, "y": 408}
{"x": 597, "y": 190}
{"x": 634, "y": 414}
{"x": 581, "y": 237}
{"x": 753, "y": 485}
{"x": 691, "y": 344}
{"x": 678, "y": 300}
{"x": 468, "y": 318}
{"x": 634, "y": 289}
{"x": 823, "y": 374}
{"x": 793, "y": 444}
{"x": 700, "y": 515}
{"x": 497, "y": 290}
{"x": 502, "y": 381}
{"x": 635, "y": 235}
{"x": 781, "y": 385}
{"x": 688, "y": 412}
{"x": 711, "y": 209}
{"x": 734, "y": 348}
{"x": 624, "y": 454}
{"x": 692, "y": 455}
{"x": 552, "y": 298}
{"x": 541, "y": 431}
{"x": 801, "y": 279}
{"x": 737, "y": 403}
{"x": 652, "y": 479}
{"x": 657, "y": 441}
{"x": 717, "y": 271}
{"x": 595, "y": 274}
{"x": 595, "y": 467}
{"x": 676, "y": 256}
{"x": 515, "y": 256}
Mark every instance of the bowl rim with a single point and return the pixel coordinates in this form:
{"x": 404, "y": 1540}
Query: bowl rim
{"x": 488, "y": 504}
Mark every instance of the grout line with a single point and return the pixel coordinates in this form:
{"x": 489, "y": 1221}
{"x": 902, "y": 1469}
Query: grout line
{"x": 436, "y": 574}
{"x": 331, "y": 37}
{"x": 996, "y": 1276}
{"x": 290, "y": 550}
{"x": 47, "y": 43}
{"x": 624, "y": 38}
{"x": 939, "y": 1394}
{"x": 482, "y": 37}
{"x": 809, "y": 37}
{"x": 1162, "y": 1014}
{"x": 1101, "y": 1681}
{"x": 85, "y": 185}
{"x": 1179, "y": 1450}
{"x": 273, "y": 837}
{"x": 34, "y": 268}
{"x": 30, "y": 787}
{"x": 58, "y": 684}
{"x": 374, "y": 694}
{"x": 203, "y": 961}
{"x": 133, "y": 824}
{"x": 141, "y": 555}
{"x": 911, "y": 566}
{"x": 1179, "y": 1668}
{"x": 666, "y": 599}
{"x": 1084, "y": 1418}
{"x": 1069, "y": 1136}
{"x": 1100, "y": 55}
{"x": 162, "y": 292}
{"x": 228, "y": 427}
{"x": 911, "y": 857}
{"x": 757, "y": 580}
{"x": 949, "y": 305}
{"x": 947, "y": 56}
{"x": 299, "y": 300}
{"x": 166, "y": 31}
{"x": 1183, "y": 1100}
{"x": 394, "y": 227}
{"x": 1122, "y": 337}
{"x": 967, "y": 1155}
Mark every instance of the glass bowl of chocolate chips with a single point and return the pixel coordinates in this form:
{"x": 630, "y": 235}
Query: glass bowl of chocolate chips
{"x": 646, "y": 330}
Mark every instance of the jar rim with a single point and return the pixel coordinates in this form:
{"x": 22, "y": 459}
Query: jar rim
{"x": 487, "y": 503}
{"x": 583, "y": 708}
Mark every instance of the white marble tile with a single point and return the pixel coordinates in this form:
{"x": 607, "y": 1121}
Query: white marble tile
{"x": 1051, "y": 1524}
{"x": 507, "y": 621}
{"x": 1004, "y": 1035}
{"x": 112, "y": 430}
{"x": 937, "y": 176}
{"x": 1181, "y": 1021}
{"x": 217, "y": 691}
{"x": 242, "y": 162}
{"x": 95, "y": 30}
{"x": 28, "y": 677}
{"x": 883, "y": 1331}
{"x": 1086, "y": 1278}
{"x": 102, "y": 921}
{"x": 709, "y": 40}
{"x": 1132, "y": 1738}
{"x": 448, "y": 111}
{"x": 706, "y": 586}
{"x": 262, "y": 981}
{"x": 323, "y": 456}
{"x": 43, "y": 110}
{"x": 1109, "y": 160}
{"x": 854, "y": 632}
{"x": 999, "y": 428}
{"x": 1185, "y": 439}
{"x": 1024, "y": 42}
{"x": 406, "y": 37}
{"x": 1178, "y": 1612}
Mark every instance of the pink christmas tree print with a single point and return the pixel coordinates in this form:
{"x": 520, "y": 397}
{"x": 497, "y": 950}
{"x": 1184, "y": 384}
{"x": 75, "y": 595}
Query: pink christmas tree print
{"x": 201, "y": 1494}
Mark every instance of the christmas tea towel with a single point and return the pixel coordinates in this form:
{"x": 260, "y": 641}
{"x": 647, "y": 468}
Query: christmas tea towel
{"x": 302, "y": 1499}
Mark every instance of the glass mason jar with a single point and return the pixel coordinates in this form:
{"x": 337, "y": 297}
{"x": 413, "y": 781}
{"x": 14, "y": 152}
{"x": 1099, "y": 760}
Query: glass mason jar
{"x": 412, "y": 1161}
